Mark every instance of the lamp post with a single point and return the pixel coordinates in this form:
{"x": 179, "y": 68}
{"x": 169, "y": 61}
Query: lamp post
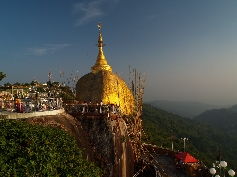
{"x": 172, "y": 138}
{"x": 222, "y": 164}
{"x": 184, "y": 142}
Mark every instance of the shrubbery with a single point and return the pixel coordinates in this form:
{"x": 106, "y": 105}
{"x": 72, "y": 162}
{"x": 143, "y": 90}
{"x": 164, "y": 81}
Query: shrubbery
{"x": 33, "y": 150}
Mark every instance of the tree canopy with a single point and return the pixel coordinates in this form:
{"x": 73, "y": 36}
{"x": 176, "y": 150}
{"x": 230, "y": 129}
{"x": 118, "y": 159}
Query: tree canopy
{"x": 2, "y": 75}
{"x": 33, "y": 150}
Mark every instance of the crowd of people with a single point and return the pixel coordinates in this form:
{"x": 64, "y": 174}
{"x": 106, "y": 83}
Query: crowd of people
{"x": 89, "y": 107}
{"x": 28, "y": 105}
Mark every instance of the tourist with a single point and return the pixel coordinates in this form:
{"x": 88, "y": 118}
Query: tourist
{"x": 101, "y": 104}
{"x": 84, "y": 107}
{"x": 181, "y": 163}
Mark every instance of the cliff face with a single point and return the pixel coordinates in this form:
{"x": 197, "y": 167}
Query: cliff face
{"x": 111, "y": 147}
{"x": 104, "y": 140}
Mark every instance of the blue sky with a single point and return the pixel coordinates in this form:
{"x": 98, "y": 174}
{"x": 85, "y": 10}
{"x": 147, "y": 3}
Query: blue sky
{"x": 187, "y": 48}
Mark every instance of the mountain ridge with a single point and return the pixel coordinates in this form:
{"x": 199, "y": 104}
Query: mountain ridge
{"x": 188, "y": 109}
{"x": 224, "y": 119}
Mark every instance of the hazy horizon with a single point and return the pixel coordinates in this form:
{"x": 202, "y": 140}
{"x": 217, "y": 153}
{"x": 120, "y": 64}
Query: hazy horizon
{"x": 186, "y": 48}
{"x": 192, "y": 102}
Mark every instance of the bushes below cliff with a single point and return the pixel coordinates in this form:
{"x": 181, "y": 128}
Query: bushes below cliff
{"x": 33, "y": 150}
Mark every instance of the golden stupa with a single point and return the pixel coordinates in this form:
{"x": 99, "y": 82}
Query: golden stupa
{"x": 102, "y": 84}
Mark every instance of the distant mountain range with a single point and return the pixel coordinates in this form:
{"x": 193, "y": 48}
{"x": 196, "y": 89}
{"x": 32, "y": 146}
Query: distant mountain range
{"x": 185, "y": 109}
{"x": 224, "y": 119}
{"x": 233, "y": 108}
{"x": 204, "y": 139}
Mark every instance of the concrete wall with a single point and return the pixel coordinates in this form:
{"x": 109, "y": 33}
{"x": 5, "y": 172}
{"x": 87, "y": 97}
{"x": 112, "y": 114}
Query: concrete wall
{"x": 6, "y": 115}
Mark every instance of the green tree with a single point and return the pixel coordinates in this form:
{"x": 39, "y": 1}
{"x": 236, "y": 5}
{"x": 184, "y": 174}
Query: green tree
{"x": 40, "y": 89}
{"x": 66, "y": 94}
{"x": 49, "y": 84}
{"x": 8, "y": 84}
{"x": 25, "y": 84}
{"x": 2, "y": 75}
{"x": 17, "y": 84}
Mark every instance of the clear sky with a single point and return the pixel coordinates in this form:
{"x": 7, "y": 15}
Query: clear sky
{"x": 187, "y": 48}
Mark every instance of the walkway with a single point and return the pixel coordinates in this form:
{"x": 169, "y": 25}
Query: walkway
{"x": 167, "y": 163}
{"x": 164, "y": 165}
{"x": 10, "y": 115}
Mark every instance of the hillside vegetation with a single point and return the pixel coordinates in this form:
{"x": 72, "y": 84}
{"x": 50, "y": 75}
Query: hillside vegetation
{"x": 224, "y": 119}
{"x": 33, "y": 150}
{"x": 203, "y": 140}
{"x": 233, "y": 108}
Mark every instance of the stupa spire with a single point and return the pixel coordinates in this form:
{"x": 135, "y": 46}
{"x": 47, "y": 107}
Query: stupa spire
{"x": 101, "y": 62}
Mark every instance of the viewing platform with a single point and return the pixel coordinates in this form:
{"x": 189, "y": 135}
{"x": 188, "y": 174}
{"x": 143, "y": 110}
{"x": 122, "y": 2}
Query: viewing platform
{"x": 14, "y": 115}
{"x": 104, "y": 110}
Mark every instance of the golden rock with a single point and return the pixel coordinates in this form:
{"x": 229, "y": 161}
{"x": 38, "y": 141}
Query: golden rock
{"x": 103, "y": 84}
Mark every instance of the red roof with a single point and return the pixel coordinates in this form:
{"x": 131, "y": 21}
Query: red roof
{"x": 186, "y": 157}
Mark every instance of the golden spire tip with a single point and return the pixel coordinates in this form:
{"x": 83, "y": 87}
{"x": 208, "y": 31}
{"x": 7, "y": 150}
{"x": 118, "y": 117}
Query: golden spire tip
{"x": 99, "y": 25}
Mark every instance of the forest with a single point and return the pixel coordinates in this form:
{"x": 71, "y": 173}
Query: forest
{"x": 205, "y": 142}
